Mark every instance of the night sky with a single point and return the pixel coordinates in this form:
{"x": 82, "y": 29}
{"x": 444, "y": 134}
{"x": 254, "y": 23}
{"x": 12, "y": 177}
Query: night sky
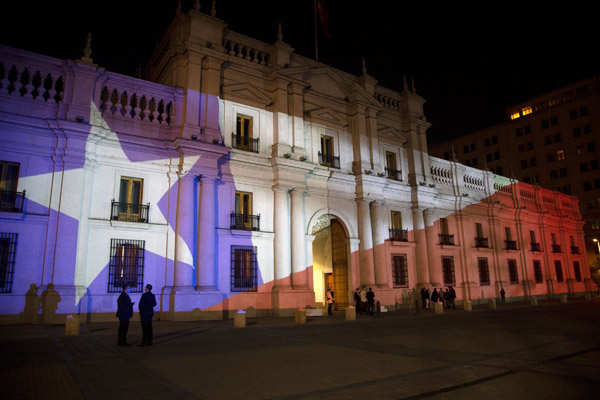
{"x": 468, "y": 62}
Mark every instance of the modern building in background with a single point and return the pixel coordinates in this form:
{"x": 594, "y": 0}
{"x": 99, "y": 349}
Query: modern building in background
{"x": 552, "y": 140}
{"x": 245, "y": 176}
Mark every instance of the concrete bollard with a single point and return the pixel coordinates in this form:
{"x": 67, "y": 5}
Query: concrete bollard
{"x": 438, "y": 308}
{"x": 239, "y": 319}
{"x": 72, "y": 325}
{"x": 534, "y": 301}
{"x": 564, "y": 299}
{"x": 492, "y": 304}
{"x": 300, "y": 316}
{"x": 468, "y": 305}
{"x": 350, "y": 313}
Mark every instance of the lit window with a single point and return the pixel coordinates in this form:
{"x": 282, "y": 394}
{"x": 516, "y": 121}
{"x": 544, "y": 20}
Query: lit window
{"x": 560, "y": 155}
{"x": 515, "y": 115}
{"x": 526, "y": 110}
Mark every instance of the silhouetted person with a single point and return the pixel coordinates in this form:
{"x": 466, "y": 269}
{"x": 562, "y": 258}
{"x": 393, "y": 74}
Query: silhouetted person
{"x": 357, "y": 300}
{"x": 146, "y": 307}
{"x": 447, "y": 298}
{"x": 453, "y": 297}
{"x": 502, "y": 295}
{"x": 363, "y": 300}
{"x": 434, "y": 296}
{"x": 124, "y": 313}
{"x": 330, "y": 301}
{"x": 371, "y": 301}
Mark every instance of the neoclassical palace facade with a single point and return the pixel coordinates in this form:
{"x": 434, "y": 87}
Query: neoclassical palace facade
{"x": 245, "y": 176}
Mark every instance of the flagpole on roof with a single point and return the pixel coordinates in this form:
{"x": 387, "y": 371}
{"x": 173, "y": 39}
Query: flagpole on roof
{"x": 316, "y": 34}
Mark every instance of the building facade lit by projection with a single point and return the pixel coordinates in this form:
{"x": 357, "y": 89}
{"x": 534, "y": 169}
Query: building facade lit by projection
{"x": 247, "y": 176}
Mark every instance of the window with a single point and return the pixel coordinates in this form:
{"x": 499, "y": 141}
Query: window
{"x": 548, "y": 139}
{"x": 243, "y": 217}
{"x": 557, "y": 138}
{"x": 583, "y": 167}
{"x": 515, "y": 115}
{"x": 396, "y": 220}
{"x": 10, "y": 200}
{"x": 553, "y": 174}
{"x": 474, "y": 162}
{"x": 508, "y": 233}
{"x": 496, "y": 155}
{"x": 486, "y": 142}
{"x": 473, "y": 146}
{"x": 488, "y": 157}
{"x": 126, "y": 265}
{"x": 484, "y": 271}
{"x": 554, "y": 121}
{"x": 560, "y": 155}
{"x": 243, "y": 128}
{"x": 587, "y": 186}
{"x": 8, "y": 247}
{"x": 533, "y": 162}
{"x": 326, "y": 155}
{"x": 519, "y": 131}
{"x": 499, "y": 170}
{"x": 576, "y": 132}
{"x": 391, "y": 168}
{"x": 130, "y": 199}
{"x": 512, "y": 271}
{"x": 545, "y": 124}
{"x": 579, "y": 149}
{"x": 479, "y": 229}
{"x": 573, "y": 114}
{"x": 559, "y": 272}
{"x": 594, "y": 164}
{"x": 587, "y": 129}
{"x": 494, "y": 139}
{"x": 444, "y": 226}
{"x": 550, "y": 157}
{"x": 521, "y": 147}
{"x": 563, "y": 172}
{"x": 584, "y": 111}
{"x": 243, "y": 269}
{"x": 577, "y": 271}
{"x": 597, "y": 183}
{"x": 448, "y": 270}
{"x": 466, "y": 149}
{"x": 591, "y": 147}
{"x": 553, "y": 238}
{"x": 526, "y": 110}
{"x": 529, "y": 145}
{"x": 537, "y": 271}
{"x": 523, "y": 164}
{"x": 400, "y": 270}
{"x": 527, "y": 129}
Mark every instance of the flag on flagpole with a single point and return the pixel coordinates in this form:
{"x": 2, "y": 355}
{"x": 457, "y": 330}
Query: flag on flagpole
{"x": 323, "y": 16}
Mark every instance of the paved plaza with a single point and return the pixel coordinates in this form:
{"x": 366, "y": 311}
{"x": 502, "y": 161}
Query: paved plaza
{"x": 516, "y": 352}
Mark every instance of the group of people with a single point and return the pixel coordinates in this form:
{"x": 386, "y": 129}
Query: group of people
{"x": 364, "y": 301}
{"x": 446, "y": 297}
{"x": 125, "y": 312}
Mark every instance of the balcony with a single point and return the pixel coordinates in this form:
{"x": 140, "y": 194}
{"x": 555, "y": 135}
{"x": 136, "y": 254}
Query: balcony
{"x": 394, "y": 174}
{"x": 536, "y": 247}
{"x": 244, "y": 143}
{"x": 511, "y": 244}
{"x": 574, "y": 249}
{"x": 556, "y": 248}
{"x": 328, "y": 160}
{"x": 11, "y": 201}
{"x": 129, "y": 212}
{"x": 446, "y": 239}
{"x": 245, "y": 222}
{"x": 481, "y": 242}
{"x": 399, "y": 235}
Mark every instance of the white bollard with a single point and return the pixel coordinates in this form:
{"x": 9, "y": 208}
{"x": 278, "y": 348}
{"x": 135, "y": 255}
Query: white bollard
{"x": 239, "y": 319}
{"x": 350, "y": 313}
{"x": 438, "y": 308}
{"x": 72, "y": 325}
{"x": 492, "y": 304}
{"x": 301, "y": 316}
{"x": 468, "y": 305}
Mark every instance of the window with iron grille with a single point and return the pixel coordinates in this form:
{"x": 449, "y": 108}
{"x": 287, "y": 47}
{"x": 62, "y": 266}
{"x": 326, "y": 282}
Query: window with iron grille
{"x": 559, "y": 272}
{"x": 537, "y": 271}
{"x": 448, "y": 270}
{"x": 243, "y": 269}
{"x": 512, "y": 271}
{"x": 8, "y": 247}
{"x": 400, "y": 270}
{"x": 577, "y": 271}
{"x": 126, "y": 266}
{"x": 484, "y": 271}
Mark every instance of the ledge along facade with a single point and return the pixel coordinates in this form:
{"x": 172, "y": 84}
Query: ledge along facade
{"x": 245, "y": 176}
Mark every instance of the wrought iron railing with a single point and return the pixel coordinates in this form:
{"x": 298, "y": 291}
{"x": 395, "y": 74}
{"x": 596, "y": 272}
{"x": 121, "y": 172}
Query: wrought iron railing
{"x": 246, "y": 222}
{"x": 574, "y": 249}
{"x": 395, "y": 174}
{"x": 129, "y": 212}
{"x": 12, "y": 201}
{"x": 244, "y": 143}
{"x": 446, "y": 239}
{"x": 399, "y": 235}
{"x": 481, "y": 242}
{"x": 329, "y": 160}
{"x": 511, "y": 244}
{"x": 556, "y": 248}
{"x": 535, "y": 246}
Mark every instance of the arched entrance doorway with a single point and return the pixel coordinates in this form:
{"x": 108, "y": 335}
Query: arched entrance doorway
{"x": 330, "y": 260}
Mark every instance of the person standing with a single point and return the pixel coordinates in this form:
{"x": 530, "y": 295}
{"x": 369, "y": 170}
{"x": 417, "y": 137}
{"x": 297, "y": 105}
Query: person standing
{"x": 146, "y": 307}
{"x": 357, "y": 300}
{"x": 363, "y": 300}
{"x": 124, "y": 313}
{"x": 371, "y": 301}
{"x": 447, "y": 298}
{"x": 453, "y": 297}
{"x": 330, "y": 301}
{"x": 502, "y": 295}
{"x": 434, "y": 296}
{"x": 427, "y": 297}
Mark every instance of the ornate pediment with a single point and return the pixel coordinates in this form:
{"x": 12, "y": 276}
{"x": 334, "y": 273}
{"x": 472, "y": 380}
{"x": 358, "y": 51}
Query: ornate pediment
{"x": 327, "y": 115}
{"x": 247, "y": 92}
{"x": 391, "y": 133}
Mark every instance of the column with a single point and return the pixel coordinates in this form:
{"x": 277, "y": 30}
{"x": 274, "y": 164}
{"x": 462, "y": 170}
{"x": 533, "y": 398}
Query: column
{"x": 435, "y": 268}
{"x": 381, "y": 275}
{"x": 366, "y": 243}
{"x": 185, "y": 231}
{"x": 421, "y": 253}
{"x": 282, "y": 238}
{"x": 206, "y": 234}
{"x": 299, "y": 274}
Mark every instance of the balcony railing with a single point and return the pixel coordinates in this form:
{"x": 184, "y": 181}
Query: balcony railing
{"x": 481, "y": 242}
{"x": 245, "y": 222}
{"x": 395, "y": 174}
{"x": 446, "y": 239}
{"x": 329, "y": 160}
{"x": 399, "y": 235}
{"x": 129, "y": 212}
{"x": 11, "y": 201}
{"x": 511, "y": 244}
{"x": 535, "y": 247}
{"x": 556, "y": 248}
{"x": 574, "y": 249}
{"x": 244, "y": 143}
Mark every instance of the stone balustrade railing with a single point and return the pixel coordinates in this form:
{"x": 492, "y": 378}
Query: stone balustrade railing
{"x": 246, "y": 48}
{"x": 441, "y": 171}
{"x": 387, "y": 98}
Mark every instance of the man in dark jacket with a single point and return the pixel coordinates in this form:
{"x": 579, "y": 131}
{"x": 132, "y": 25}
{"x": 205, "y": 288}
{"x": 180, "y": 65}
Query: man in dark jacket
{"x": 124, "y": 313}
{"x": 453, "y": 297}
{"x": 371, "y": 301}
{"x": 146, "y": 306}
{"x": 357, "y": 300}
{"x": 434, "y": 296}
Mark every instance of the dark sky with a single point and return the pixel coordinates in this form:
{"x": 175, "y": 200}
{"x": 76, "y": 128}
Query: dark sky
{"x": 469, "y": 62}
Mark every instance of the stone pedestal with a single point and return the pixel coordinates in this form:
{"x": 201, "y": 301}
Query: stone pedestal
{"x": 467, "y": 305}
{"x": 49, "y": 302}
{"x": 32, "y": 305}
{"x": 492, "y": 304}
{"x": 72, "y": 325}
{"x": 534, "y": 301}
{"x": 564, "y": 298}
{"x": 300, "y": 316}
{"x": 438, "y": 308}
{"x": 239, "y": 319}
{"x": 350, "y": 313}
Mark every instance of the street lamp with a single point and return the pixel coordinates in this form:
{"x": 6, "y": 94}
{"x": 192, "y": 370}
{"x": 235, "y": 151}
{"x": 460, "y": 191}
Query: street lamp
{"x": 597, "y": 244}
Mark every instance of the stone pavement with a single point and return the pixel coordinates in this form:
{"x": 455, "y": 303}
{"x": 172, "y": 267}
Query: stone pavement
{"x": 546, "y": 352}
